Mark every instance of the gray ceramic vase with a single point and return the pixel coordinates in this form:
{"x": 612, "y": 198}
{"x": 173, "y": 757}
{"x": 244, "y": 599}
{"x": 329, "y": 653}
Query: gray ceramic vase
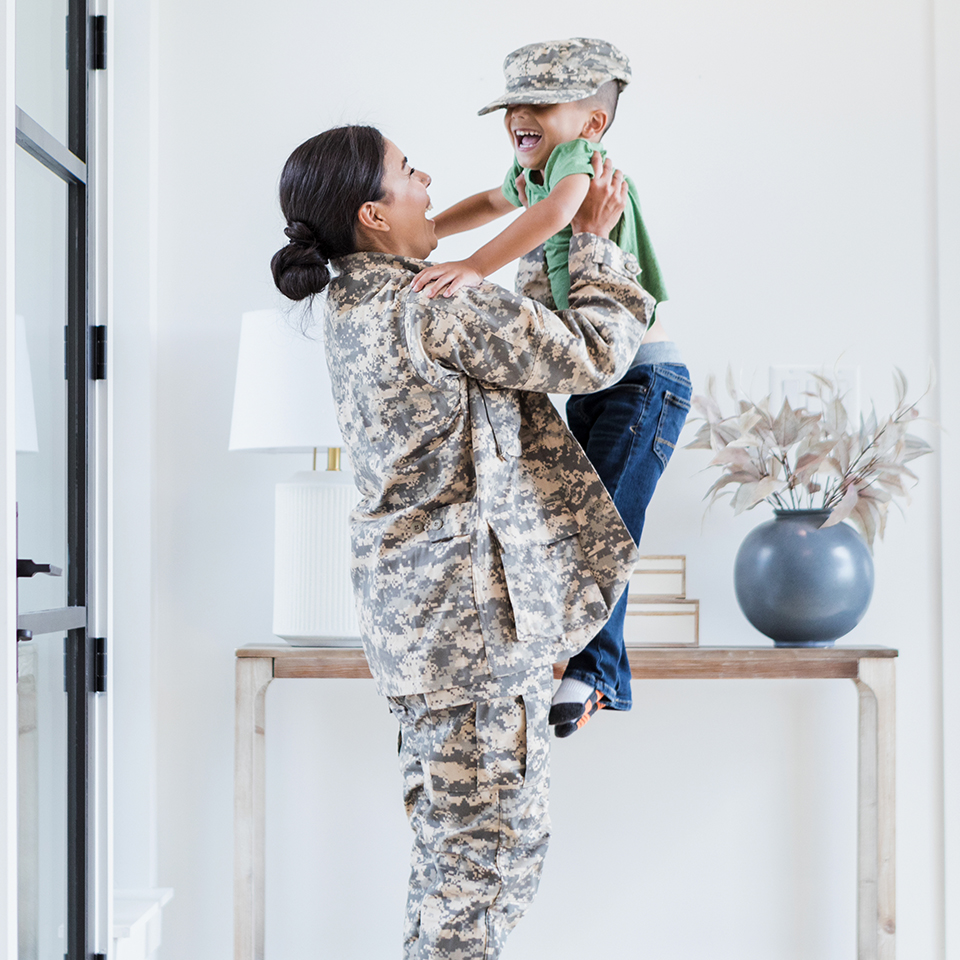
{"x": 800, "y": 585}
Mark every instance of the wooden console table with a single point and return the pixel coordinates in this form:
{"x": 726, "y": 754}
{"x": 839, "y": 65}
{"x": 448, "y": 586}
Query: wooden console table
{"x": 872, "y": 669}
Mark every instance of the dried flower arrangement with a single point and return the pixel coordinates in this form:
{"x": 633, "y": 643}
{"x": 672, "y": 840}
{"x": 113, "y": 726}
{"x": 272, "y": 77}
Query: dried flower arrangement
{"x": 800, "y": 459}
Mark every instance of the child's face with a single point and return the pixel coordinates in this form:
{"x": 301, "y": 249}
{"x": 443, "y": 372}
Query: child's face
{"x": 535, "y": 130}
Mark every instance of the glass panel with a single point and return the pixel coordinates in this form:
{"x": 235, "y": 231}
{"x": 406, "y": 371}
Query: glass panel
{"x": 42, "y": 790}
{"x": 42, "y": 63}
{"x": 41, "y": 387}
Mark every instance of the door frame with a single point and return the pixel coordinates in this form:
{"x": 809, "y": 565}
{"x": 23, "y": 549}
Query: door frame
{"x": 91, "y": 859}
{"x": 8, "y": 467}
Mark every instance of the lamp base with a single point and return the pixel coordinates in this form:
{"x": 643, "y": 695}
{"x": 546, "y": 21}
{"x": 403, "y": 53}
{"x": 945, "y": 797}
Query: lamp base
{"x": 313, "y": 603}
{"x": 346, "y": 643}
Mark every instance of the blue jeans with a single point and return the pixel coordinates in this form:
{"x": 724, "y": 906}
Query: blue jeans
{"x": 629, "y": 432}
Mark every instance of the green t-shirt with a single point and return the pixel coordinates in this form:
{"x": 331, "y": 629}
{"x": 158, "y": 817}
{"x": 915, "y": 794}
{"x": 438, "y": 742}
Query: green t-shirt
{"x": 629, "y": 234}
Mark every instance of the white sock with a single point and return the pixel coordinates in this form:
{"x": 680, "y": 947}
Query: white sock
{"x": 572, "y": 691}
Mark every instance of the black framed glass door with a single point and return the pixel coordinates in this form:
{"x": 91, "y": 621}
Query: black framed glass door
{"x": 56, "y": 365}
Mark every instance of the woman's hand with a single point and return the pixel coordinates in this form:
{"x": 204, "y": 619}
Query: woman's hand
{"x": 447, "y": 278}
{"x": 603, "y": 205}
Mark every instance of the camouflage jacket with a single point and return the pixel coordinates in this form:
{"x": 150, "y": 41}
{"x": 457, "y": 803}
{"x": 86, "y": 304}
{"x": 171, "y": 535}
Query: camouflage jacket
{"x": 484, "y": 542}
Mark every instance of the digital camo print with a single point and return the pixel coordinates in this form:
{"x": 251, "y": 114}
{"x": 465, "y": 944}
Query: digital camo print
{"x": 532, "y": 279}
{"x": 484, "y": 543}
{"x": 560, "y": 71}
{"x": 475, "y": 782}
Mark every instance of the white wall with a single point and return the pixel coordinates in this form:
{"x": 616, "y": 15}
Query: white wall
{"x": 133, "y": 37}
{"x": 785, "y": 158}
{"x": 947, "y": 67}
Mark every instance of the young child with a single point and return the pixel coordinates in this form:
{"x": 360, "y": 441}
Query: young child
{"x": 561, "y": 98}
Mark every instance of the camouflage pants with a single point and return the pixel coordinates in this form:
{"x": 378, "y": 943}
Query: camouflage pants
{"x": 475, "y": 780}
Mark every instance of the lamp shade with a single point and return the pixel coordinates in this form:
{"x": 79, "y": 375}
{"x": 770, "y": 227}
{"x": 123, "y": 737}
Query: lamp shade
{"x": 283, "y": 401}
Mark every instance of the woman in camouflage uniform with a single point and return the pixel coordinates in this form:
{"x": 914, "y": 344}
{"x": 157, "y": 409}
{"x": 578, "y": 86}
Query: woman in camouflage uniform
{"x": 485, "y": 547}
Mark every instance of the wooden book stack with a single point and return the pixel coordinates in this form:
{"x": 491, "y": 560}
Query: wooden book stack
{"x": 658, "y": 611}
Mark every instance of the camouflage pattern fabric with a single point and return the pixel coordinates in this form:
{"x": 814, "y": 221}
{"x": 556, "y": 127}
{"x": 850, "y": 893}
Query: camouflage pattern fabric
{"x": 484, "y": 543}
{"x": 475, "y": 780}
{"x": 560, "y": 71}
{"x": 532, "y": 280}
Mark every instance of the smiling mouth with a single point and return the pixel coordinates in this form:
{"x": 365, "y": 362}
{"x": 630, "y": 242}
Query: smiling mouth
{"x": 526, "y": 139}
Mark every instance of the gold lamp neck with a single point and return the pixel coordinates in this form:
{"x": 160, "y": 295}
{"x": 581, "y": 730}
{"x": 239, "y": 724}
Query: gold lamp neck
{"x": 333, "y": 458}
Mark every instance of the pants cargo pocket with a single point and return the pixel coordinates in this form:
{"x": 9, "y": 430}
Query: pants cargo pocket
{"x": 501, "y": 743}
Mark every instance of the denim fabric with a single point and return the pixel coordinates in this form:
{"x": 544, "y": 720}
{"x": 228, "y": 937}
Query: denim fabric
{"x": 629, "y": 432}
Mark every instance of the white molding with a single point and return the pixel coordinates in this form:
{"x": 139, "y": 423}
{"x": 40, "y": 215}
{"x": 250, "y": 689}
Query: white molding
{"x": 946, "y": 31}
{"x": 99, "y": 168}
{"x": 8, "y": 562}
{"x": 137, "y": 932}
{"x": 104, "y": 173}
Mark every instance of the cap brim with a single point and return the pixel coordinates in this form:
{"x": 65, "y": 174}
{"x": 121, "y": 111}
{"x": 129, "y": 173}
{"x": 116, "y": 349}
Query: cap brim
{"x": 490, "y": 107}
{"x": 566, "y": 95}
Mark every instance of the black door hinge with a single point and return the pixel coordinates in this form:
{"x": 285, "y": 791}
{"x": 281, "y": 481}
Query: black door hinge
{"x": 98, "y": 43}
{"x": 100, "y": 681}
{"x": 99, "y": 365}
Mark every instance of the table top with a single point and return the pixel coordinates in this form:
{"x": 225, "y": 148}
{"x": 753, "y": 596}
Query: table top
{"x": 646, "y": 662}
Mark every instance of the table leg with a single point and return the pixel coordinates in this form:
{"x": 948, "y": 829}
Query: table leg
{"x": 249, "y": 802}
{"x": 876, "y": 841}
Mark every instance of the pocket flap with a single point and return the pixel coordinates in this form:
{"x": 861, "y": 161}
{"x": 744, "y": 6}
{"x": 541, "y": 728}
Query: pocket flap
{"x": 558, "y": 522}
{"x": 548, "y": 523}
{"x": 446, "y": 522}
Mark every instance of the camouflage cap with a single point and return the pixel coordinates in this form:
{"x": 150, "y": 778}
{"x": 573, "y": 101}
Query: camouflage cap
{"x": 560, "y": 71}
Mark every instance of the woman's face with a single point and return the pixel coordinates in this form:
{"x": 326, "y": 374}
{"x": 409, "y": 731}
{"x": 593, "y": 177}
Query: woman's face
{"x": 403, "y": 208}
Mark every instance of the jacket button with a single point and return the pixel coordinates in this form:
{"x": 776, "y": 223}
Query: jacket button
{"x": 417, "y": 527}
{"x": 436, "y": 524}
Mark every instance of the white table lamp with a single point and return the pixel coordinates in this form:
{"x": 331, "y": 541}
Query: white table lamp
{"x": 283, "y": 404}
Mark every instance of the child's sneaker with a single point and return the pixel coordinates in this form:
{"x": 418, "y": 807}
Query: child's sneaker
{"x": 574, "y": 703}
{"x": 596, "y": 701}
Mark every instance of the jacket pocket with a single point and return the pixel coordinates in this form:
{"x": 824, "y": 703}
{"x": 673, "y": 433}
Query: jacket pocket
{"x": 413, "y": 579}
{"x": 503, "y": 416}
{"x": 551, "y": 587}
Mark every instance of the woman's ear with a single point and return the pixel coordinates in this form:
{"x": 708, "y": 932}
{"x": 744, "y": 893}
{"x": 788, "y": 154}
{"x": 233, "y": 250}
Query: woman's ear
{"x": 369, "y": 217}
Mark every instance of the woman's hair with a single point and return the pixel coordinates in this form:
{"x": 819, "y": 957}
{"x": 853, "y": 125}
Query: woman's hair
{"x": 324, "y": 183}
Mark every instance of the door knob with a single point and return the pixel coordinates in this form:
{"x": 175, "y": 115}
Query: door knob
{"x": 27, "y": 568}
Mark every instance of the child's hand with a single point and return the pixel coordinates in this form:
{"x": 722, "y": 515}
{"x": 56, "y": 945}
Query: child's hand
{"x": 447, "y": 277}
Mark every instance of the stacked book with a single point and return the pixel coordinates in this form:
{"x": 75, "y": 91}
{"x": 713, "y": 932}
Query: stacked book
{"x": 658, "y": 611}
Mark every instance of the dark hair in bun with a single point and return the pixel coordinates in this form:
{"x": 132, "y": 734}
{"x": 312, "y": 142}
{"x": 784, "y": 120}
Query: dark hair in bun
{"x": 324, "y": 183}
